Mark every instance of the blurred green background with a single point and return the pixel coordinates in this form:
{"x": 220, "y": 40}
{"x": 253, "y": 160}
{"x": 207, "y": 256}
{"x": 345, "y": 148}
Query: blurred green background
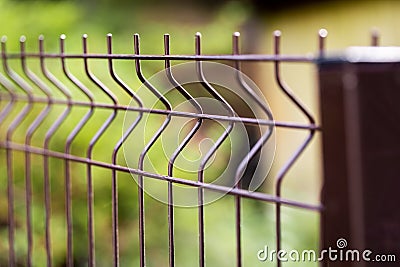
{"x": 348, "y": 23}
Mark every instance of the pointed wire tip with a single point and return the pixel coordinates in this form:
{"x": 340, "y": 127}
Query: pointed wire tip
{"x": 375, "y": 32}
{"x": 323, "y": 33}
{"x": 4, "y": 39}
{"x": 236, "y": 34}
{"x": 136, "y": 43}
{"x": 277, "y": 33}
{"x": 375, "y": 35}
{"x": 22, "y": 39}
{"x": 63, "y": 37}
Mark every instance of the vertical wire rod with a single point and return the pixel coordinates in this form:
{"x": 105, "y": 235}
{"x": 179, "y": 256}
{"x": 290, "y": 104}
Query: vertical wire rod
{"x": 61, "y": 118}
{"x": 281, "y": 174}
{"x": 67, "y": 150}
{"x": 28, "y": 138}
{"x": 4, "y": 113}
{"x": 89, "y": 152}
{"x": 212, "y": 150}
{"x": 117, "y": 147}
{"x": 253, "y": 151}
{"x": 224, "y": 135}
{"x": 147, "y": 147}
{"x": 200, "y": 190}
{"x": 238, "y": 203}
{"x": 179, "y": 149}
{"x": 10, "y": 175}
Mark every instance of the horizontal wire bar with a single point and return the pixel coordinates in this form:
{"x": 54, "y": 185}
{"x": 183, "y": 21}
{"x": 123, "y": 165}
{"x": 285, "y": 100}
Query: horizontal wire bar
{"x": 245, "y": 120}
{"x": 241, "y": 57}
{"x": 213, "y": 187}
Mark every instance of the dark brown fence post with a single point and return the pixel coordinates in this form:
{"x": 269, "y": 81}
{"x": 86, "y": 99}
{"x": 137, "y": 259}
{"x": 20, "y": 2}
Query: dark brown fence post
{"x": 360, "y": 111}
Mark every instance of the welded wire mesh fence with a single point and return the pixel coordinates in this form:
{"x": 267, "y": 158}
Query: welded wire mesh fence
{"x": 87, "y": 138}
